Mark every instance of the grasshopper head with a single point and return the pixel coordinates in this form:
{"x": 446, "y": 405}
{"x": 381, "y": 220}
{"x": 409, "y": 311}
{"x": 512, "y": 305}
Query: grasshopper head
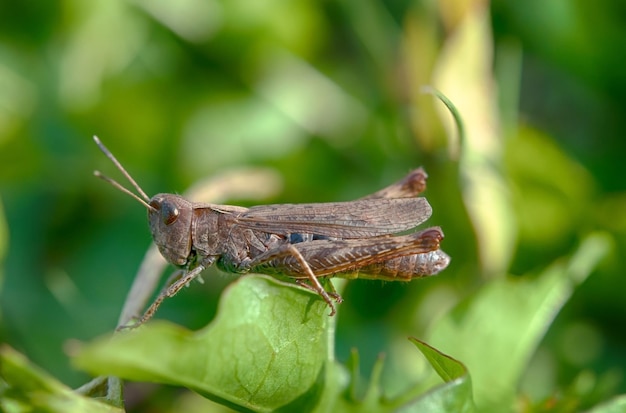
{"x": 170, "y": 223}
{"x": 170, "y": 215}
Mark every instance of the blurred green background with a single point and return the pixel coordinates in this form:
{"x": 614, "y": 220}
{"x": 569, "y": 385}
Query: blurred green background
{"x": 328, "y": 96}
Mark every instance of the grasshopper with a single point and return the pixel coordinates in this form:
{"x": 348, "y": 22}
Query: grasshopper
{"x": 303, "y": 242}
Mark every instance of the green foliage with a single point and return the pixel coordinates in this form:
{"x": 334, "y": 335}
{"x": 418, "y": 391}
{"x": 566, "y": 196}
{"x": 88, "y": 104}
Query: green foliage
{"x": 310, "y": 101}
{"x": 496, "y": 345}
{"x": 268, "y": 349}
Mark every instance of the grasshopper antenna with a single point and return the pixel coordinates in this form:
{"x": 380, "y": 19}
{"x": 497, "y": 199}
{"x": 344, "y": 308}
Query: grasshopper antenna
{"x": 144, "y": 199}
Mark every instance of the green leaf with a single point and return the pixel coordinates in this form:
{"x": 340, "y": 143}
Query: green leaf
{"x": 497, "y": 330}
{"x": 26, "y": 388}
{"x": 266, "y": 349}
{"x": 453, "y": 396}
{"x": 456, "y": 115}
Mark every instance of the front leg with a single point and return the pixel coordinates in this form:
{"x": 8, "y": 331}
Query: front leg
{"x": 169, "y": 290}
{"x": 289, "y": 250}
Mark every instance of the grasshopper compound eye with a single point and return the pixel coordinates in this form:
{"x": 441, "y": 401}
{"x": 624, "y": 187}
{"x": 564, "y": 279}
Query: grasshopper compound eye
{"x": 167, "y": 210}
{"x": 169, "y": 213}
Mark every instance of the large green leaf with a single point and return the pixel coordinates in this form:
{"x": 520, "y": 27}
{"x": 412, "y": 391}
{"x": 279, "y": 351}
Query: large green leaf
{"x": 265, "y": 350}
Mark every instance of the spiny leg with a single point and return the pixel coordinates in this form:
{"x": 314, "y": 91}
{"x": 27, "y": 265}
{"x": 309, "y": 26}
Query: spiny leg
{"x": 168, "y": 291}
{"x": 315, "y": 285}
{"x": 291, "y": 251}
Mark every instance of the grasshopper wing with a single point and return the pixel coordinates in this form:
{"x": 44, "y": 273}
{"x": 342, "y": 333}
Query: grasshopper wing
{"x": 355, "y": 219}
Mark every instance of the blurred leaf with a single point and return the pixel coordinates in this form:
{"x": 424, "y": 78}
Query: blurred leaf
{"x": 265, "y": 350}
{"x": 497, "y": 330}
{"x": 464, "y": 75}
{"x": 26, "y": 388}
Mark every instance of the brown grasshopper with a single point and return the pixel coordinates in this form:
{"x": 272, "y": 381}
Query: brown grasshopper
{"x": 300, "y": 241}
